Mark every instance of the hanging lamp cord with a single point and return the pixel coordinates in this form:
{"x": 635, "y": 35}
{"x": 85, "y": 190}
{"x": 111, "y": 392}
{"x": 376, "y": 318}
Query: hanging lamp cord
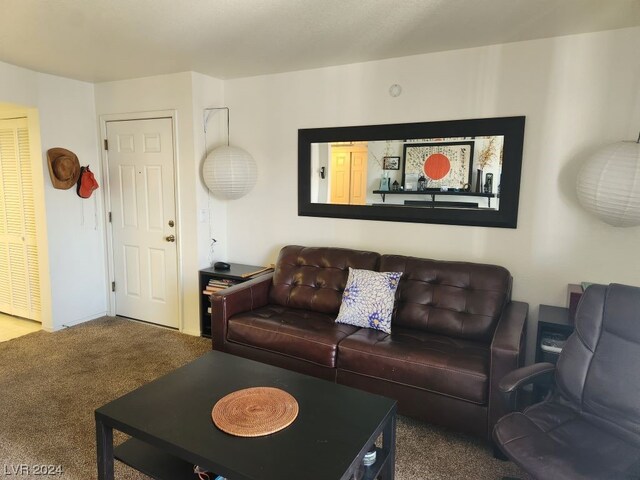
{"x": 207, "y": 114}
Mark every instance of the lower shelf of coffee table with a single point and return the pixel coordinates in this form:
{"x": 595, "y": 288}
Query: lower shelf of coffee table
{"x": 152, "y": 461}
{"x": 162, "y": 466}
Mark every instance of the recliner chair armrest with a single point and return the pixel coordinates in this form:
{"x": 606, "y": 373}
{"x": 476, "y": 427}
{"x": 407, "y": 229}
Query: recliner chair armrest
{"x": 538, "y": 373}
{"x": 237, "y": 299}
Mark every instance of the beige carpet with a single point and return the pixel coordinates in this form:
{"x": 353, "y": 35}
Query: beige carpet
{"x": 51, "y": 383}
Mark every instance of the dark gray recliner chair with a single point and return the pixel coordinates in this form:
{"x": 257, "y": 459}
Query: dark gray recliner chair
{"x": 589, "y": 427}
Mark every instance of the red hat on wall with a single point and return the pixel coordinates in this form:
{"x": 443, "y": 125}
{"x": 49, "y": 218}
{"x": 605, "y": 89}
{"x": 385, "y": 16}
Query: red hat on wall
{"x": 86, "y": 183}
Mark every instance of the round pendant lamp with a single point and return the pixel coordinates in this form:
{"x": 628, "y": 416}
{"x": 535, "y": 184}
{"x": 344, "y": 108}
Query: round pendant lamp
{"x": 229, "y": 172}
{"x": 609, "y": 184}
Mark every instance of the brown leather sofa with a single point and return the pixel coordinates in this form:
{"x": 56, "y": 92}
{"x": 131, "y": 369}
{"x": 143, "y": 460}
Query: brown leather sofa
{"x": 455, "y": 331}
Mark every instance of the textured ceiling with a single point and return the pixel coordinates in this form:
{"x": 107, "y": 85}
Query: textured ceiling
{"x": 102, "y": 40}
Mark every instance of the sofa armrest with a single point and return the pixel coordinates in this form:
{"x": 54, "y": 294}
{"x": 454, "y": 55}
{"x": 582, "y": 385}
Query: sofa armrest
{"x": 538, "y": 373}
{"x": 233, "y": 300}
{"x": 507, "y": 354}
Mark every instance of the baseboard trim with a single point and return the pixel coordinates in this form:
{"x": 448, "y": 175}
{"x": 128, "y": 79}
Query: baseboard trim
{"x": 77, "y": 321}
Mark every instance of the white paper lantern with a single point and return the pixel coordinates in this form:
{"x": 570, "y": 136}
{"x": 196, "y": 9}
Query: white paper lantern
{"x": 609, "y": 184}
{"x": 229, "y": 172}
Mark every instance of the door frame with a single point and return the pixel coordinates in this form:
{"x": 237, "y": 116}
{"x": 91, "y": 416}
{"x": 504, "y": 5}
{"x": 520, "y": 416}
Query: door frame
{"x": 106, "y": 194}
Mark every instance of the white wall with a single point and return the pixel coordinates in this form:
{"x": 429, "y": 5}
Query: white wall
{"x": 208, "y": 93}
{"x": 186, "y": 93}
{"x": 577, "y": 92}
{"x": 74, "y": 225}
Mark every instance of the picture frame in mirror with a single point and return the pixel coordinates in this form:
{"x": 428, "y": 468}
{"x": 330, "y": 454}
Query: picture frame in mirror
{"x": 391, "y": 163}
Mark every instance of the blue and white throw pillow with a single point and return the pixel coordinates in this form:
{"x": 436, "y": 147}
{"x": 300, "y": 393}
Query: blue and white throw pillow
{"x": 368, "y": 298}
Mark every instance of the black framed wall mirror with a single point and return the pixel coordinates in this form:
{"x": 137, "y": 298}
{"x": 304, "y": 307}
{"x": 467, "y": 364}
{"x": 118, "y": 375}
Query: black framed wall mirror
{"x": 459, "y": 172}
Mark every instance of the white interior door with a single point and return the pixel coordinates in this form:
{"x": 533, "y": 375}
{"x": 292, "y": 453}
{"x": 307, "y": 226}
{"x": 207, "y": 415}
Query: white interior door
{"x": 19, "y": 270}
{"x": 141, "y": 183}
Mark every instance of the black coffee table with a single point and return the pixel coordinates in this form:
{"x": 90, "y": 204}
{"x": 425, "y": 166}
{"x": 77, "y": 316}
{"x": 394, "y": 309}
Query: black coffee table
{"x": 169, "y": 421}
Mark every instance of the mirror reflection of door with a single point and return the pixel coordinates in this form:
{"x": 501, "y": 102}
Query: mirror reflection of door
{"x": 348, "y": 174}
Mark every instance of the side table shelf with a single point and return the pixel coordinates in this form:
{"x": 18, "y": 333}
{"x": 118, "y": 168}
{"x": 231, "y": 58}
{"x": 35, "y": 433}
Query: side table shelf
{"x": 212, "y": 280}
{"x": 552, "y": 321}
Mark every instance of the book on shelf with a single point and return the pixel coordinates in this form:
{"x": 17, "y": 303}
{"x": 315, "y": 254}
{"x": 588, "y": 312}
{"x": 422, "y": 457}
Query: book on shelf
{"x": 217, "y": 284}
{"x": 210, "y": 290}
{"x": 222, "y": 281}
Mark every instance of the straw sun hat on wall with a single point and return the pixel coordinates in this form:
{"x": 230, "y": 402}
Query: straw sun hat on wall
{"x": 64, "y": 167}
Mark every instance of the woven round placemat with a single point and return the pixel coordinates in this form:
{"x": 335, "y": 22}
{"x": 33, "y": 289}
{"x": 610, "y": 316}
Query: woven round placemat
{"x": 254, "y": 412}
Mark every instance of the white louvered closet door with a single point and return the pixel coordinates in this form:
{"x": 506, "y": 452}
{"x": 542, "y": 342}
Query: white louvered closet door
{"x": 19, "y": 275}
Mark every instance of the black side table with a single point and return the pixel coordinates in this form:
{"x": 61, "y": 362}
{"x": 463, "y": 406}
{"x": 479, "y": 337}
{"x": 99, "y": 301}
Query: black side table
{"x": 238, "y": 273}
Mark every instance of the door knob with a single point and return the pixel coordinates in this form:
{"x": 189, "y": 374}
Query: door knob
{"x": 171, "y": 238}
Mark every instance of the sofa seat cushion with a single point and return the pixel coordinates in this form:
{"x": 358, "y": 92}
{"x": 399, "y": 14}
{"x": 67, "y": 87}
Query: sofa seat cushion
{"x": 302, "y": 334}
{"x": 440, "y": 364}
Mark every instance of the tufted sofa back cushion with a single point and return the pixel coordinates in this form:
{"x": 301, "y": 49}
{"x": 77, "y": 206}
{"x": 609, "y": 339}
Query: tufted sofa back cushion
{"x": 456, "y": 299}
{"x": 313, "y": 278}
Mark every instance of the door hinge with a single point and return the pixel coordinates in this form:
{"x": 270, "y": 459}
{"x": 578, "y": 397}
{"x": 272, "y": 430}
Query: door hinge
{"x": 109, "y": 217}
{"x": 113, "y": 286}
{"x": 106, "y": 144}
